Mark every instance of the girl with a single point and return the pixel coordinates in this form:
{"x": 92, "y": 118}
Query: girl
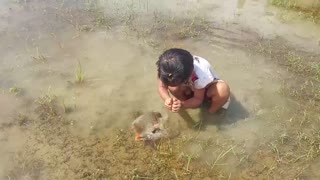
{"x": 191, "y": 80}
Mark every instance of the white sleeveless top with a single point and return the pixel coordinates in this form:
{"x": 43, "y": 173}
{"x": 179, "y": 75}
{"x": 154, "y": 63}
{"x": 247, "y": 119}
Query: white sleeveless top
{"x": 204, "y": 73}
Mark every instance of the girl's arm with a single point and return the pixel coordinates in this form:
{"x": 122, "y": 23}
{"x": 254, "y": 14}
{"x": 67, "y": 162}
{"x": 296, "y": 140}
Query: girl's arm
{"x": 163, "y": 90}
{"x": 196, "y": 100}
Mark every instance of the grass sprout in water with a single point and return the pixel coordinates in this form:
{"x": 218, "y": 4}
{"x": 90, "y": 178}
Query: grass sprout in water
{"x": 15, "y": 90}
{"x": 79, "y": 74}
{"x": 39, "y": 56}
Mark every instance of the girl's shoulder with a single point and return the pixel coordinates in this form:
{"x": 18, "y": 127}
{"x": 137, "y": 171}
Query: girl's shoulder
{"x": 201, "y": 62}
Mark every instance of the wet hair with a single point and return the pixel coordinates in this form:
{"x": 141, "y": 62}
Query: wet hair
{"x": 175, "y": 66}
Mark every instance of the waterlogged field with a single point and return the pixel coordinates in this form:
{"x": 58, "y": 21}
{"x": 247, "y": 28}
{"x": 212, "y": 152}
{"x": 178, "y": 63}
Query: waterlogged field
{"x": 75, "y": 74}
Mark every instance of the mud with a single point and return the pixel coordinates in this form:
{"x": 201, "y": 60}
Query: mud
{"x": 58, "y": 122}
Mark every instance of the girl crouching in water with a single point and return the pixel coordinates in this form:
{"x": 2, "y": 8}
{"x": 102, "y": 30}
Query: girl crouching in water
{"x": 191, "y": 80}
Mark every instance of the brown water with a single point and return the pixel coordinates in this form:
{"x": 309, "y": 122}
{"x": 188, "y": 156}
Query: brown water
{"x": 41, "y": 46}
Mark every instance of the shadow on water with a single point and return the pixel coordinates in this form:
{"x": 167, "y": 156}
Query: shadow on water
{"x": 233, "y": 114}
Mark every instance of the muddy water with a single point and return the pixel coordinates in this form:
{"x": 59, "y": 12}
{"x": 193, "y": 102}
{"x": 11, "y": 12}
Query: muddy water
{"x": 270, "y": 22}
{"x": 42, "y": 47}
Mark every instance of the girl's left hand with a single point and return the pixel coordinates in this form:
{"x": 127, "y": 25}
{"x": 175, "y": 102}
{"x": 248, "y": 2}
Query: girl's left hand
{"x": 176, "y": 105}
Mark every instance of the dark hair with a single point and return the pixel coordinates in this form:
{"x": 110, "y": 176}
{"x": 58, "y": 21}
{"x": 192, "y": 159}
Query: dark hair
{"x": 175, "y": 66}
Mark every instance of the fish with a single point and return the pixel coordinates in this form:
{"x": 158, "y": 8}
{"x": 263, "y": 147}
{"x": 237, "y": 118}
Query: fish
{"x": 152, "y": 126}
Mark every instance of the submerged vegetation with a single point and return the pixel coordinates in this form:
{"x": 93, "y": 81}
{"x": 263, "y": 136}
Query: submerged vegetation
{"x": 79, "y": 74}
{"x": 15, "y": 90}
{"x": 39, "y": 56}
{"x": 307, "y": 5}
{"x": 309, "y": 9}
{"x": 290, "y": 152}
{"x": 303, "y": 84}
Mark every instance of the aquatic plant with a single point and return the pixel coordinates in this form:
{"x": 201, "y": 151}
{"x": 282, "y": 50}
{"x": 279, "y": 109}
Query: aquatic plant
{"x": 14, "y": 90}
{"x": 80, "y": 76}
{"x": 39, "y": 56}
{"x": 312, "y": 11}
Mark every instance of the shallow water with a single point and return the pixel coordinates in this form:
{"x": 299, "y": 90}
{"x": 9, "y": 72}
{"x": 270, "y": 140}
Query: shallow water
{"x": 41, "y": 48}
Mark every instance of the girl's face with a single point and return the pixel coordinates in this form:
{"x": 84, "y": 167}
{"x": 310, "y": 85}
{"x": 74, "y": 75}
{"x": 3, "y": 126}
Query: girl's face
{"x": 188, "y": 82}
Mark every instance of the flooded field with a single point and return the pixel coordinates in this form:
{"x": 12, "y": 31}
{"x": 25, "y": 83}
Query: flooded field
{"x": 74, "y": 74}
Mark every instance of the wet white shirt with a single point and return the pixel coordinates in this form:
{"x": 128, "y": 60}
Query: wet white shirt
{"x": 204, "y": 73}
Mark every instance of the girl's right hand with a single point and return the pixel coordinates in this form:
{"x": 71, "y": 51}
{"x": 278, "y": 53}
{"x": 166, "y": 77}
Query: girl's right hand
{"x": 176, "y": 105}
{"x": 168, "y": 103}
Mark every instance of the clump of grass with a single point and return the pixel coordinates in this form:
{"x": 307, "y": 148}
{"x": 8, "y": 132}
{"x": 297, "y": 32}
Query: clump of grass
{"x": 80, "y": 76}
{"x": 98, "y": 14}
{"x": 162, "y": 28}
{"x": 297, "y": 64}
{"x": 294, "y": 4}
{"x": 101, "y": 20}
{"x": 47, "y": 107}
{"x": 306, "y": 92}
{"x": 84, "y": 28}
{"x": 189, "y": 27}
{"x": 193, "y": 28}
{"x": 90, "y": 5}
{"x": 284, "y": 3}
{"x": 15, "y": 90}
{"x": 220, "y": 157}
{"x": 284, "y": 138}
{"x": 22, "y": 120}
{"x": 39, "y": 56}
{"x": 66, "y": 109}
{"x": 317, "y": 71}
{"x": 304, "y": 66}
{"x": 47, "y": 99}
{"x": 312, "y": 13}
{"x": 26, "y": 167}
{"x": 189, "y": 160}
